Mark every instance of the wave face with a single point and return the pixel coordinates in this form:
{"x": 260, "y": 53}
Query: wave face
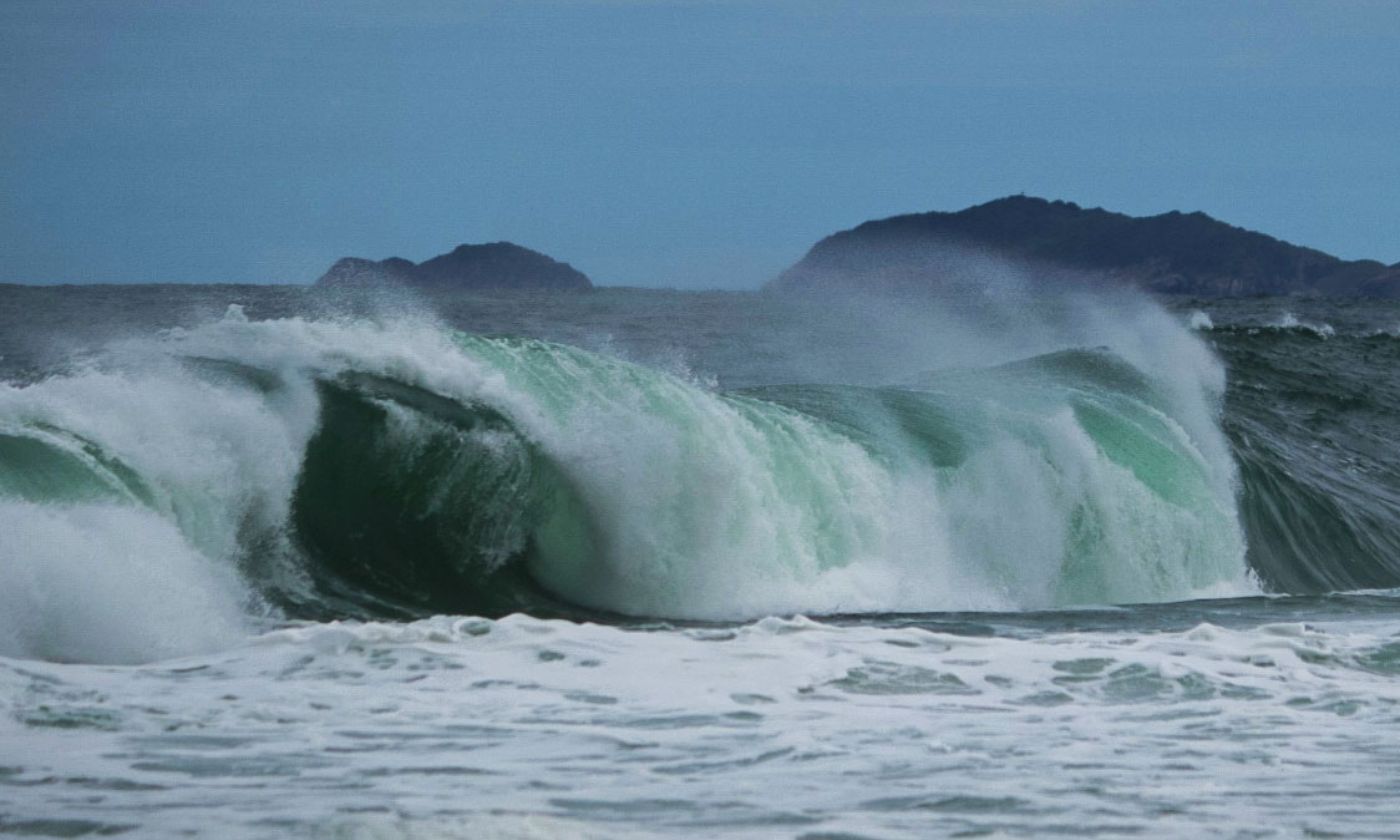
{"x": 1311, "y": 417}
{"x": 323, "y": 469}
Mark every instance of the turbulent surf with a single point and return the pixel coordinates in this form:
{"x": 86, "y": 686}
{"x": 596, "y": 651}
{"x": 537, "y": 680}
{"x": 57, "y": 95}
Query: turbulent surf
{"x": 362, "y": 539}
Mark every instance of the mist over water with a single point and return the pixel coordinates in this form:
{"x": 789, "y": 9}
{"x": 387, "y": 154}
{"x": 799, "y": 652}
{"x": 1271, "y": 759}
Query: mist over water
{"x": 574, "y": 516}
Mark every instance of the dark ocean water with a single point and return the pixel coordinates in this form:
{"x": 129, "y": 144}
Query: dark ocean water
{"x": 287, "y": 561}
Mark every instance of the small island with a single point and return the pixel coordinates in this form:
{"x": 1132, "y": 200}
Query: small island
{"x": 494, "y": 265}
{"x": 1172, "y": 253}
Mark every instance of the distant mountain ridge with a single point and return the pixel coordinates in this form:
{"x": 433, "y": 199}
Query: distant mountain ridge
{"x": 495, "y": 265}
{"x": 1172, "y": 253}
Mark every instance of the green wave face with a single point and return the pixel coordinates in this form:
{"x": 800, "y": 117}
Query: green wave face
{"x": 413, "y": 504}
{"x": 682, "y": 502}
{"x": 1058, "y": 481}
{"x": 43, "y": 464}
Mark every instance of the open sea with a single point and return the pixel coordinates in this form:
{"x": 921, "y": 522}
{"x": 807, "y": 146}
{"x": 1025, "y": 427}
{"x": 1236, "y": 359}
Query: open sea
{"x": 295, "y": 562}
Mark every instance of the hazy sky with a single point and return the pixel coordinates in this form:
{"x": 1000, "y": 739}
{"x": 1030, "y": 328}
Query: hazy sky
{"x": 665, "y": 143}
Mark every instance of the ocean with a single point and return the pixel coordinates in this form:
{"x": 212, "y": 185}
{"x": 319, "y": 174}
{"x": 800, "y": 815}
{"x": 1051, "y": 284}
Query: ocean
{"x": 296, "y": 562}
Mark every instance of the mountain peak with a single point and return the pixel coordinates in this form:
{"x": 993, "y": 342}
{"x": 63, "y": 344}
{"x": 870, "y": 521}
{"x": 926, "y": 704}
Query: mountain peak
{"x": 493, "y": 265}
{"x": 1171, "y": 253}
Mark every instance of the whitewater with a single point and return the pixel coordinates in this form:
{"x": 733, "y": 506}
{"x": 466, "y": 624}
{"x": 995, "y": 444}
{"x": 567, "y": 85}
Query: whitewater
{"x": 294, "y": 562}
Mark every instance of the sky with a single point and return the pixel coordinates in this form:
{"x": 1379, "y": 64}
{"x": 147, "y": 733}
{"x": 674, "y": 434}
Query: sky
{"x": 665, "y": 143}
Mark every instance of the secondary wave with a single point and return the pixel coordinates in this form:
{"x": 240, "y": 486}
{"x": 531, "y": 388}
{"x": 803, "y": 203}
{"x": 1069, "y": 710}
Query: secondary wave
{"x": 1311, "y": 417}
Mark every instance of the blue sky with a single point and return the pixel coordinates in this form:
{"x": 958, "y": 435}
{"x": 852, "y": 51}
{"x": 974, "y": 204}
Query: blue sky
{"x": 665, "y": 143}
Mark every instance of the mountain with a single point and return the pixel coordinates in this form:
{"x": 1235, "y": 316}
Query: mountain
{"x": 1173, "y": 253}
{"x": 497, "y": 265}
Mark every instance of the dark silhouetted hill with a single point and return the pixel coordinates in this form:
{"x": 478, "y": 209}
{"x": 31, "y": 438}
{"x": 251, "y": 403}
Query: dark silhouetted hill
{"x": 1174, "y": 253}
{"x": 497, "y": 265}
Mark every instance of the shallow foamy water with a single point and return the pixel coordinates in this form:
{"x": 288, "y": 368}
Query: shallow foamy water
{"x": 521, "y": 727}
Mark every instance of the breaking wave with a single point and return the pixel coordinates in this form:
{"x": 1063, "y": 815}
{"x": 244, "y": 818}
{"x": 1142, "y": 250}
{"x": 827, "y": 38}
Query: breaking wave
{"x": 181, "y": 489}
